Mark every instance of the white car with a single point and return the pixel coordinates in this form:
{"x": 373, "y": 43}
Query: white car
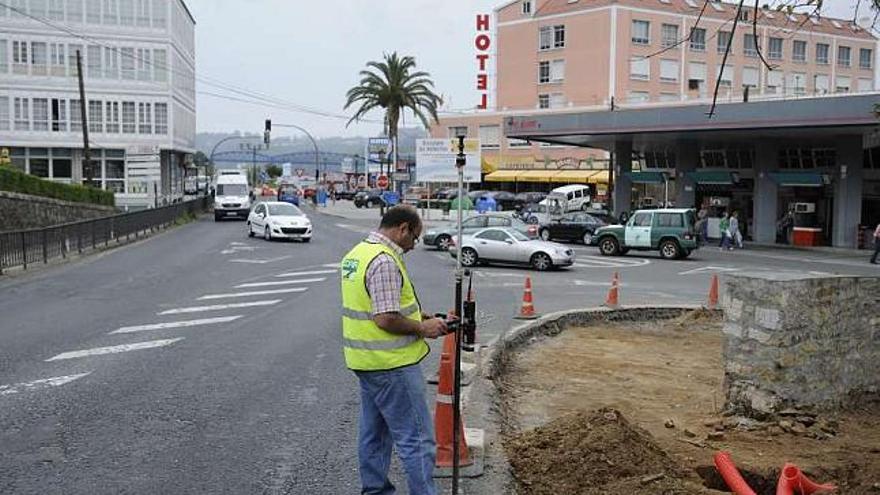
{"x": 510, "y": 246}
{"x": 279, "y": 220}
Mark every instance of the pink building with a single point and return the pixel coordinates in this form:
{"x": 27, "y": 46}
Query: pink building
{"x": 560, "y": 56}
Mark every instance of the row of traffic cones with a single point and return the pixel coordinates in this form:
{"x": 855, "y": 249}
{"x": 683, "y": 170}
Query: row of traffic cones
{"x": 527, "y": 310}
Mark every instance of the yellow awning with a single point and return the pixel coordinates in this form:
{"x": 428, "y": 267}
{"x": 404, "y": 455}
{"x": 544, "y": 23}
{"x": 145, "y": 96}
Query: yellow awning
{"x": 502, "y": 176}
{"x": 573, "y": 176}
{"x": 536, "y": 175}
{"x": 600, "y": 177}
{"x": 489, "y": 164}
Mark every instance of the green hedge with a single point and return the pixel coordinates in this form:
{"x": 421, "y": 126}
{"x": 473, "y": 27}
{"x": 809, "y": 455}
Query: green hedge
{"x": 16, "y": 181}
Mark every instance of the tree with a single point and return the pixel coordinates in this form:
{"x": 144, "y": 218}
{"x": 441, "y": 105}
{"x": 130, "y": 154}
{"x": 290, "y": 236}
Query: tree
{"x": 395, "y": 86}
{"x": 274, "y": 171}
{"x": 201, "y": 161}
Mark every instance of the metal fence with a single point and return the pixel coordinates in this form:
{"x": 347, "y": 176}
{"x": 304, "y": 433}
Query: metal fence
{"x": 27, "y": 247}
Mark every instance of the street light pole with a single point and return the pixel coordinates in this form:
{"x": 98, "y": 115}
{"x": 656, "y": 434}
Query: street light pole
{"x": 314, "y": 144}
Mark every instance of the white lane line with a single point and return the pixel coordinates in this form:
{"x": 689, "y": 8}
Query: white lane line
{"x": 176, "y": 324}
{"x": 708, "y": 269}
{"x": 354, "y": 228}
{"x": 252, "y": 293}
{"x": 282, "y": 282}
{"x": 260, "y": 262}
{"x": 331, "y": 265}
{"x": 38, "y": 384}
{"x": 302, "y": 274}
{"x": 219, "y": 307}
{"x": 97, "y": 351}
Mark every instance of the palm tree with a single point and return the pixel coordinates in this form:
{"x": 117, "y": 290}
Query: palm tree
{"x": 394, "y": 85}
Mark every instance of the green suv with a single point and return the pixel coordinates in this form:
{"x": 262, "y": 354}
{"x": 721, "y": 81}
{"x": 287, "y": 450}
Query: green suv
{"x": 670, "y": 231}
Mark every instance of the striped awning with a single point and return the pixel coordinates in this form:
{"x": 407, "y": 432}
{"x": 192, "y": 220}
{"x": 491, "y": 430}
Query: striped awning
{"x": 502, "y": 176}
{"x": 535, "y": 175}
{"x": 573, "y": 176}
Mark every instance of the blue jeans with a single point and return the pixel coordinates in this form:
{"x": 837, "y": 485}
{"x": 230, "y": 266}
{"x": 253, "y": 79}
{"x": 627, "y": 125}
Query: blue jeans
{"x": 394, "y": 413}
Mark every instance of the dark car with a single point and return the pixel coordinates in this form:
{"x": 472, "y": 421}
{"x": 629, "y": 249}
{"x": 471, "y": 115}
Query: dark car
{"x": 506, "y": 201}
{"x": 446, "y": 193}
{"x": 369, "y": 199}
{"x": 288, "y": 193}
{"x": 576, "y": 226}
{"x": 346, "y": 194}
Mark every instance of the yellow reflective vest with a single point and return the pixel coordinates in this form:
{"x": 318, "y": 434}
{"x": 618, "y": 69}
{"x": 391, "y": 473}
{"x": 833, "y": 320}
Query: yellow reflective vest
{"x": 366, "y": 346}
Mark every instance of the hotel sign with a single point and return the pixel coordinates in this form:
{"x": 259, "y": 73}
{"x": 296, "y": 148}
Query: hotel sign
{"x": 483, "y": 42}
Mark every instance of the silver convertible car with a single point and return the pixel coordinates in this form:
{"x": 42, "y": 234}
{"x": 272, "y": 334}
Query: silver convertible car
{"x": 511, "y": 247}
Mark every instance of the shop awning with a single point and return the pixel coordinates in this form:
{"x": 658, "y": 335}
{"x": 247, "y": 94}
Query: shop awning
{"x": 573, "y": 176}
{"x": 716, "y": 177}
{"x": 489, "y": 164}
{"x": 535, "y": 175}
{"x": 646, "y": 177}
{"x": 599, "y": 177}
{"x": 502, "y": 176}
{"x": 797, "y": 179}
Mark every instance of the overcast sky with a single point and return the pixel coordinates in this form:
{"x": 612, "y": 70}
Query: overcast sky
{"x": 309, "y": 53}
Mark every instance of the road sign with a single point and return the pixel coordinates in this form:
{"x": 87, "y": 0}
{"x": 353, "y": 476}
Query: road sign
{"x": 382, "y": 182}
{"x": 435, "y": 160}
{"x": 400, "y": 176}
{"x": 378, "y": 149}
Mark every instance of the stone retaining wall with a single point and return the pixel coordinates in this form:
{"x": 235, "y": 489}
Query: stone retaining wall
{"x": 800, "y": 341}
{"x": 23, "y": 211}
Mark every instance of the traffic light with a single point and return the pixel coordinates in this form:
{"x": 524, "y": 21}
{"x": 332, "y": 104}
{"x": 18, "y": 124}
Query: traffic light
{"x": 267, "y": 132}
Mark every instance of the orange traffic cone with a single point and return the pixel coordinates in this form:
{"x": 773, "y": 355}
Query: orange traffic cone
{"x": 713, "y": 293}
{"x": 443, "y": 415}
{"x": 527, "y": 310}
{"x": 449, "y": 345}
{"x": 612, "y": 300}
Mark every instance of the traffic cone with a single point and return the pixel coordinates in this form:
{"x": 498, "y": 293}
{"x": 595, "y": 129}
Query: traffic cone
{"x": 527, "y": 310}
{"x": 713, "y": 293}
{"x": 612, "y": 300}
{"x": 443, "y": 416}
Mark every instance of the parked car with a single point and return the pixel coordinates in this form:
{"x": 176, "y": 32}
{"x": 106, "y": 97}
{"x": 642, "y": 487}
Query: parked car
{"x": 670, "y": 231}
{"x": 441, "y": 236}
{"x": 531, "y": 197}
{"x": 347, "y": 194}
{"x": 573, "y": 197}
{"x": 369, "y": 198}
{"x": 510, "y": 246}
{"x": 277, "y": 220}
{"x": 578, "y": 226}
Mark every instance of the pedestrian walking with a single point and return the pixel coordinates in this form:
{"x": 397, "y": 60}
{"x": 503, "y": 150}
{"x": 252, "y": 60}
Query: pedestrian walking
{"x": 735, "y": 232}
{"x": 702, "y": 226}
{"x": 876, "y": 245}
{"x": 384, "y": 332}
{"x": 724, "y": 226}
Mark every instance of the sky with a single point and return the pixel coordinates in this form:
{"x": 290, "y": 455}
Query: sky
{"x": 302, "y": 53}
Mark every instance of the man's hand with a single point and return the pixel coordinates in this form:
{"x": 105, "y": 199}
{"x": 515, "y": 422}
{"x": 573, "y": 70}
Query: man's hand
{"x": 432, "y": 328}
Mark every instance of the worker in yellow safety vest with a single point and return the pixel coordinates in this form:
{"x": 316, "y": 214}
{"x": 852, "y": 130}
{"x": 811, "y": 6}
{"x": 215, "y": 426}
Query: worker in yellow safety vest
{"x": 383, "y": 334}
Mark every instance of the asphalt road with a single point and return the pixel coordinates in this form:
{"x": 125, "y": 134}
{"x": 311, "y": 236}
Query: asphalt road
{"x": 116, "y": 378}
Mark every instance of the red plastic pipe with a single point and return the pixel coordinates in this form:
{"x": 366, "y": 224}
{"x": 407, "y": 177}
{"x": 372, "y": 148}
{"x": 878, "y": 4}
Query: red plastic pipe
{"x": 731, "y": 475}
{"x": 792, "y": 481}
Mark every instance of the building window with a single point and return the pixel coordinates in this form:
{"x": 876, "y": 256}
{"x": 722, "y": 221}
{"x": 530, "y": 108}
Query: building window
{"x": 843, "y": 53}
{"x": 160, "y": 20}
{"x": 750, "y": 76}
{"x": 162, "y": 119}
{"x": 669, "y": 35}
{"x": 62, "y": 165}
{"x": 41, "y": 114}
{"x": 127, "y": 63}
{"x": 38, "y": 162}
{"x": 866, "y": 58}
{"x": 544, "y": 72}
{"x": 799, "y": 51}
{"x": 723, "y": 41}
{"x": 821, "y": 84}
{"x": 145, "y": 118}
{"x": 58, "y": 59}
{"x": 641, "y": 32}
{"x": 111, "y": 63}
{"x": 544, "y": 101}
{"x": 4, "y": 57}
{"x": 72, "y": 50}
{"x": 20, "y": 57}
{"x": 669, "y": 70}
{"x": 559, "y": 36}
{"x": 93, "y": 11}
{"x": 111, "y": 109}
{"x": 457, "y": 131}
{"x": 59, "y": 115}
{"x": 142, "y": 13}
{"x": 56, "y": 10}
{"x": 75, "y": 116}
{"x": 39, "y": 59}
{"x": 697, "y": 77}
{"x": 797, "y": 82}
{"x": 551, "y": 37}
{"x": 750, "y": 45}
{"x": 96, "y": 116}
{"x": 74, "y": 11}
{"x": 698, "y": 40}
{"x": 822, "y": 50}
{"x": 128, "y": 117}
{"x": 775, "y": 49}
{"x": 160, "y": 65}
{"x": 557, "y": 100}
{"x": 4, "y": 113}
{"x": 21, "y": 114}
{"x": 114, "y": 171}
{"x": 640, "y": 68}
{"x": 866, "y": 84}
{"x": 774, "y": 82}
{"x": 527, "y": 7}
{"x": 490, "y": 135}
{"x": 843, "y": 84}
{"x": 638, "y": 97}
{"x": 95, "y": 66}
{"x": 126, "y": 12}
{"x": 557, "y": 70}
{"x": 726, "y": 77}
{"x": 109, "y": 16}
{"x": 144, "y": 64}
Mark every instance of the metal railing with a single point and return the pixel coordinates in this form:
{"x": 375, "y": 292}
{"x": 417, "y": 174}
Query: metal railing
{"x": 27, "y": 247}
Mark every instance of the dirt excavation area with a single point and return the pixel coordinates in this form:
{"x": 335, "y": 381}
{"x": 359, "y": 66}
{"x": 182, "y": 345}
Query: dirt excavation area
{"x": 636, "y": 408}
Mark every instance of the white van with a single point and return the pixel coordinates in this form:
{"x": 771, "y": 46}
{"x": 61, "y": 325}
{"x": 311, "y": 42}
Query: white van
{"x": 231, "y": 197}
{"x": 577, "y": 196}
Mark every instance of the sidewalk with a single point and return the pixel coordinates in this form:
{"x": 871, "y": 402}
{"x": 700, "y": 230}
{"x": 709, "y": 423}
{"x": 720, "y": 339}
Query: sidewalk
{"x": 347, "y": 210}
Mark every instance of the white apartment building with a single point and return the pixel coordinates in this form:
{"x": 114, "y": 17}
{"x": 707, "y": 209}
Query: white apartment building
{"x": 138, "y": 62}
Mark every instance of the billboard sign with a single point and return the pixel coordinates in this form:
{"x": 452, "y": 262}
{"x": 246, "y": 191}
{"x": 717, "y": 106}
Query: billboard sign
{"x": 435, "y": 160}
{"x": 378, "y": 148}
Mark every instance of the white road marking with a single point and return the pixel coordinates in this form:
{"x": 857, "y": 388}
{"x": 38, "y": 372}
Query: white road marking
{"x": 260, "y": 262}
{"x": 331, "y": 265}
{"x": 219, "y": 307}
{"x": 302, "y": 274}
{"x": 281, "y": 282}
{"x": 709, "y": 269}
{"x": 176, "y": 324}
{"x": 590, "y": 283}
{"x": 97, "y": 351}
{"x": 38, "y": 384}
{"x": 252, "y": 293}
{"x": 354, "y": 228}
{"x": 603, "y": 261}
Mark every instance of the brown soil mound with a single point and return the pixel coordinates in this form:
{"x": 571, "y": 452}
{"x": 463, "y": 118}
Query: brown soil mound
{"x": 592, "y": 453}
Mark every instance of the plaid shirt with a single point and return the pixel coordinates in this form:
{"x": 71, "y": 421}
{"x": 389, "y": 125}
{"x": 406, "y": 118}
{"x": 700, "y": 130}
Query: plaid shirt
{"x": 384, "y": 280}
